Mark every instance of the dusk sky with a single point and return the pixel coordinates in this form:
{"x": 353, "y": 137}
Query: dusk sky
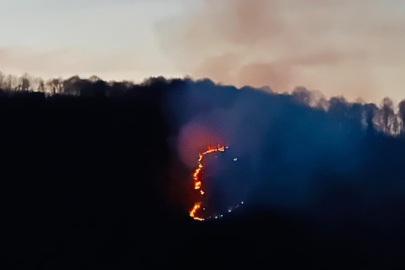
{"x": 183, "y": 134}
{"x": 353, "y": 48}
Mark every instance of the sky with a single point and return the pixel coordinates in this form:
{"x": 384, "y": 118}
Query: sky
{"x": 354, "y": 48}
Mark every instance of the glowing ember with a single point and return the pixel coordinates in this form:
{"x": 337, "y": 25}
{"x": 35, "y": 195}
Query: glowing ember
{"x": 193, "y": 211}
{"x": 197, "y": 179}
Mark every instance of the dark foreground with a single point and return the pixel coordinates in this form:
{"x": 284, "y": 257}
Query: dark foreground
{"x": 91, "y": 182}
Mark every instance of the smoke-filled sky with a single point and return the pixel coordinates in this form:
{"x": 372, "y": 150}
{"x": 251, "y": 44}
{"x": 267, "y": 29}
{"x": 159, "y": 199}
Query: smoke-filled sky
{"x": 354, "y": 48}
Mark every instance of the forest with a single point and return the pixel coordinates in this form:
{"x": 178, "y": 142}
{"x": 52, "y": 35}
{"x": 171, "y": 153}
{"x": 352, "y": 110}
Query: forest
{"x": 97, "y": 175}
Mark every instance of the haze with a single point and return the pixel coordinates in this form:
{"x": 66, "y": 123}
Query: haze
{"x": 351, "y": 48}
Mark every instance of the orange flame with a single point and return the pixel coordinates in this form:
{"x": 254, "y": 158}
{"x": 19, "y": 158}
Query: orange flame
{"x": 194, "y": 210}
{"x": 198, "y": 182}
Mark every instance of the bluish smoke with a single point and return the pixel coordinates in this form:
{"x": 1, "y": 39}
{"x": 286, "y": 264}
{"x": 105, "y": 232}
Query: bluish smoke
{"x": 329, "y": 161}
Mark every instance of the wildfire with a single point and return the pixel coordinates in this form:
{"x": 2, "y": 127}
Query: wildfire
{"x": 194, "y": 210}
{"x": 198, "y": 182}
{"x": 197, "y": 178}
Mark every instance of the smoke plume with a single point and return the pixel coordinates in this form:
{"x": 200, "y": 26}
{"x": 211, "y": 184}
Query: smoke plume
{"x": 341, "y": 49}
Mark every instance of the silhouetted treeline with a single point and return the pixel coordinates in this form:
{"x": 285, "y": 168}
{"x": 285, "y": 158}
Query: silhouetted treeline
{"x": 93, "y": 177}
{"x": 385, "y": 117}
